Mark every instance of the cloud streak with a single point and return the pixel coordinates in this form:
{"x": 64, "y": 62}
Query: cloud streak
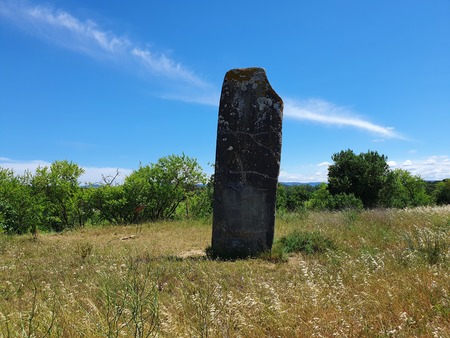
{"x": 323, "y": 112}
{"x": 87, "y": 37}
{"x": 174, "y": 80}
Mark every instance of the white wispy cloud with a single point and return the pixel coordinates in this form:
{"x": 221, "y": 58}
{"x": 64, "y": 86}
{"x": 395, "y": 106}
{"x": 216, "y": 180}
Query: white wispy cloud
{"x": 407, "y": 163}
{"x": 324, "y": 164}
{"x": 87, "y": 37}
{"x": 162, "y": 65}
{"x": 63, "y": 29}
{"x": 323, "y": 112}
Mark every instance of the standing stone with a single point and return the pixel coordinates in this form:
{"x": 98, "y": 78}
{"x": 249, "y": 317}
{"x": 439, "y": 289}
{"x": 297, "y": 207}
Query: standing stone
{"x": 247, "y": 164}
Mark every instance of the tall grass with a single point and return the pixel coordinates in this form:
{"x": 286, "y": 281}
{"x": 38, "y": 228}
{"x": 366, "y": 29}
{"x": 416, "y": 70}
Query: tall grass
{"x": 377, "y": 273}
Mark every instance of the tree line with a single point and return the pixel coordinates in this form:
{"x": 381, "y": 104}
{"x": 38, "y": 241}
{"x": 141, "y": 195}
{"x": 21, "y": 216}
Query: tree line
{"x": 51, "y": 198}
{"x": 364, "y": 181}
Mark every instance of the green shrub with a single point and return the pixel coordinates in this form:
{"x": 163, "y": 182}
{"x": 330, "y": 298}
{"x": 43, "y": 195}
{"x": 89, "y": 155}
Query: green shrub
{"x": 322, "y": 199}
{"x": 56, "y": 188}
{"x": 199, "y": 203}
{"x": 8, "y": 218}
{"x": 162, "y": 186}
{"x": 111, "y": 206}
{"x": 442, "y": 192}
{"x": 19, "y": 210}
{"x": 306, "y": 242}
{"x": 346, "y": 201}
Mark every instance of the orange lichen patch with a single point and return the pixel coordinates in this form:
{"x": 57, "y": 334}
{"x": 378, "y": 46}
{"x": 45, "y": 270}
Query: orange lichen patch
{"x": 245, "y": 74}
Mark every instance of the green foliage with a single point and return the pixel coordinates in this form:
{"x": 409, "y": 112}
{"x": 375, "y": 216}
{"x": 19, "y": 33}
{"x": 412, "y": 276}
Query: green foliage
{"x": 19, "y": 211}
{"x": 52, "y": 198}
{"x": 442, "y": 192}
{"x": 363, "y": 175}
{"x": 306, "y": 242}
{"x": 199, "y": 204}
{"x": 403, "y": 190}
{"x": 293, "y": 198}
{"x": 159, "y": 188}
{"x": 174, "y": 187}
{"x": 110, "y": 205}
{"x": 281, "y": 197}
{"x": 346, "y": 201}
{"x": 321, "y": 199}
{"x": 83, "y": 211}
{"x": 56, "y": 187}
{"x": 297, "y": 196}
{"x": 8, "y": 218}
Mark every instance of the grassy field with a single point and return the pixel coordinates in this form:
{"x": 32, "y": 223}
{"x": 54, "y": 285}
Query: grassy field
{"x": 386, "y": 275}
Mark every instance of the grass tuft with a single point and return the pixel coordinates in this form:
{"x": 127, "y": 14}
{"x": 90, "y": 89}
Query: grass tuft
{"x": 305, "y": 242}
{"x": 429, "y": 244}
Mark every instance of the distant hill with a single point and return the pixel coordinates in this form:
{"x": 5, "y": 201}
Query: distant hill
{"x": 313, "y": 184}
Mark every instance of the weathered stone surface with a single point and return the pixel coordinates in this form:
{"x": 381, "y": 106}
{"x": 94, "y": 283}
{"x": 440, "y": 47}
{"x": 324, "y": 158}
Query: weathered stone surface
{"x": 247, "y": 164}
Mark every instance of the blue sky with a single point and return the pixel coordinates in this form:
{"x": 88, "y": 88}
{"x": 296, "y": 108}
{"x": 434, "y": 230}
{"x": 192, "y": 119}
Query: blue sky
{"x": 109, "y": 84}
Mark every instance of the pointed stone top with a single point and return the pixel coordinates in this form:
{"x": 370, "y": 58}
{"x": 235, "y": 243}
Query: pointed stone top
{"x": 245, "y": 74}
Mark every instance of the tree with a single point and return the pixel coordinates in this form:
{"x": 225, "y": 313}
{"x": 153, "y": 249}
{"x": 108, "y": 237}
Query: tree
{"x": 442, "y": 192}
{"x": 321, "y": 199}
{"x": 157, "y": 189}
{"x": 297, "y": 195}
{"x": 403, "y": 190}
{"x": 111, "y": 205}
{"x": 362, "y": 175}
{"x": 19, "y": 211}
{"x": 57, "y": 189}
{"x": 281, "y": 197}
{"x": 200, "y": 204}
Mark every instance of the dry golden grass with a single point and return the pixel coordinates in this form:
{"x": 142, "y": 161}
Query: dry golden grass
{"x": 387, "y": 277}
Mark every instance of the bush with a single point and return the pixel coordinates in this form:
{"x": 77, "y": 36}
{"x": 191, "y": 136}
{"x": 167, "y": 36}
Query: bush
{"x": 322, "y": 199}
{"x": 306, "y": 242}
{"x": 281, "y": 197}
{"x": 160, "y": 188}
{"x": 8, "y": 218}
{"x": 199, "y": 203}
{"x": 56, "y": 189}
{"x": 111, "y": 205}
{"x": 19, "y": 210}
{"x": 403, "y": 190}
{"x": 345, "y": 201}
{"x": 442, "y": 192}
{"x": 363, "y": 175}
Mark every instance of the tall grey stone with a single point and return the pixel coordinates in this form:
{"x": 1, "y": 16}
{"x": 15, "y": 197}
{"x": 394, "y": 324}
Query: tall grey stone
{"x": 247, "y": 164}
